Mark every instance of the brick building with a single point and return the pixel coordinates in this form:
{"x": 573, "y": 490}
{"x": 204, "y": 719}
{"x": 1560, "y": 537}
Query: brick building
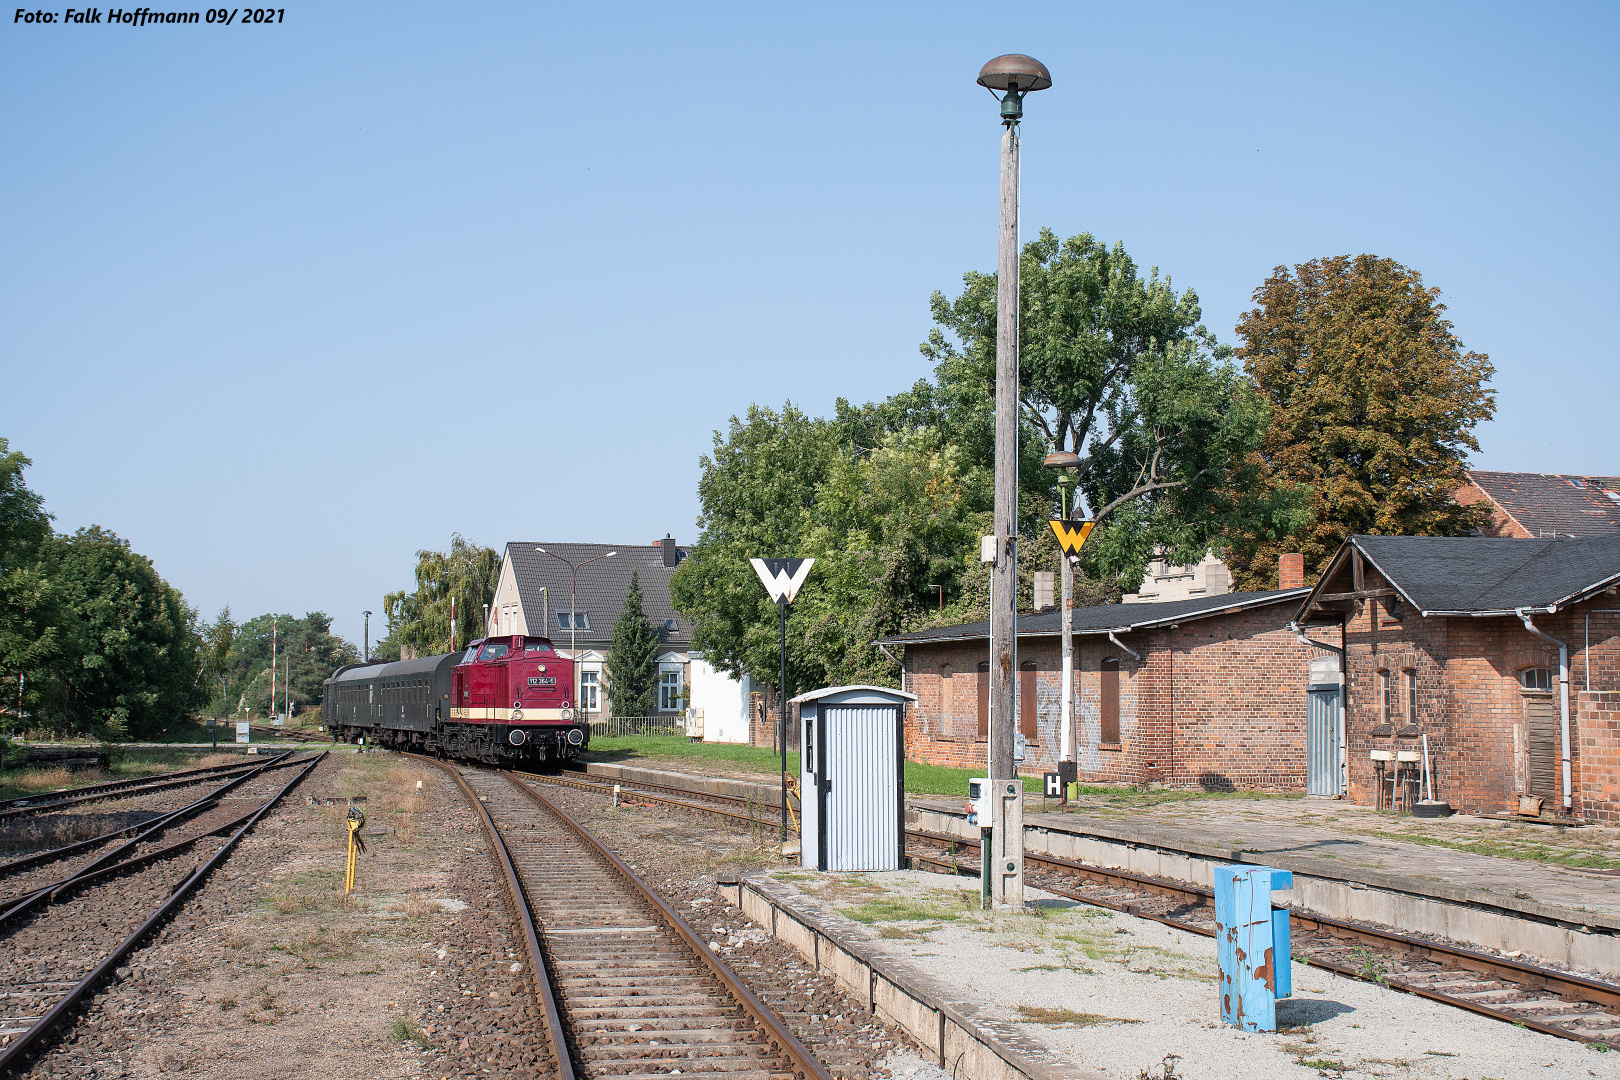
{"x": 1493, "y": 647}
{"x": 1208, "y": 692}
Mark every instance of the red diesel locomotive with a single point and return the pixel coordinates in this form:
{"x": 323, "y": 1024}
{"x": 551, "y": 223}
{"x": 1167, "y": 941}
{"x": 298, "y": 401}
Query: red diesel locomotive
{"x": 503, "y": 701}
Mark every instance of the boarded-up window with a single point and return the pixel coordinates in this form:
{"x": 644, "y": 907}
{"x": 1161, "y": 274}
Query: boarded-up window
{"x": 1026, "y": 701}
{"x": 945, "y": 702}
{"x": 984, "y": 699}
{"x": 1110, "y": 704}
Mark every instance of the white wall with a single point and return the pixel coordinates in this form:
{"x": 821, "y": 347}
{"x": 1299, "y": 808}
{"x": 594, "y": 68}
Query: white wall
{"x": 724, "y": 702}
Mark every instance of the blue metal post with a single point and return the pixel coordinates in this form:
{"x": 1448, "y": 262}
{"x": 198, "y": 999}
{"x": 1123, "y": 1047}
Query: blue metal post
{"x": 1251, "y": 945}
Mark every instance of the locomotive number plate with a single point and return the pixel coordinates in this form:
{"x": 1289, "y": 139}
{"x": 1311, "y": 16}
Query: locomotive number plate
{"x": 542, "y": 680}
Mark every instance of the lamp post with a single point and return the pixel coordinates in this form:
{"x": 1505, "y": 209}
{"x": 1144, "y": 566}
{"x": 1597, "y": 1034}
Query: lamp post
{"x": 573, "y": 607}
{"x": 1015, "y": 75}
{"x": 1064, "y": 462}
{"x": 368, "y": 637}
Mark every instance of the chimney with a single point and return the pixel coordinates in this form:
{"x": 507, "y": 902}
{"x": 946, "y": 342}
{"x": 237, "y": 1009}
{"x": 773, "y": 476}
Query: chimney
{"x": 1291, "y": 571}
{"x": 668, "y": 544}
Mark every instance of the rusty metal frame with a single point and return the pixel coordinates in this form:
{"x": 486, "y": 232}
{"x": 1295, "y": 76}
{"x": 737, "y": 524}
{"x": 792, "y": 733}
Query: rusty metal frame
{"x": 540, "y": 974}
{"x": 805, "y": 1063}
{"x": 22, "y": 1043}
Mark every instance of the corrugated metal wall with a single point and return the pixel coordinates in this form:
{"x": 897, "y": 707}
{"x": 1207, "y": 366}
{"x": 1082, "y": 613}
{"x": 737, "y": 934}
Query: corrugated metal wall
{"x": 1322, "y": 742}
{"x": 863, "y": 816}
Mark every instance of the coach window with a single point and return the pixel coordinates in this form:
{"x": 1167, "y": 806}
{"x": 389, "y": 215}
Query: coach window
{"x": 1108, "y": 733}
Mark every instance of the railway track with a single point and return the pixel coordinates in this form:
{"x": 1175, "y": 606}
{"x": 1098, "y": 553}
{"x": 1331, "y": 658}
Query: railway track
{"x": 123, "y": 789}
{"x": 64, "y": 937}
{"x": 630, "y": 991}
{"x": 1543, "y": 999}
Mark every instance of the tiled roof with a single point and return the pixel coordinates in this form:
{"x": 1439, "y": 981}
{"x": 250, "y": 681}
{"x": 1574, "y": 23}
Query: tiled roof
{"x": 1546, "y": 504}
{"x": 602, "y": 586}
{"x": 1485, "y": 574}
{"x": 1119, "y": 618}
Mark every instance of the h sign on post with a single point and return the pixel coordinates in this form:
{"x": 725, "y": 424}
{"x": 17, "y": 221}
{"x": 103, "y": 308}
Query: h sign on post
{"x": 782, "y": 578}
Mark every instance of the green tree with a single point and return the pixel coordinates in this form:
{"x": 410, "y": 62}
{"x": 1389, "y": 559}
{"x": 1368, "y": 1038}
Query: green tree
{"x": 129, "y": 665}
{"x": 1117, "y": 368}
{"x": 420, "y": 620}
{"x": 216, "y": 641}
{"x": 1372, "y": 405}
{"x": 632, "y": 663}
{"x": 306, "y": 655}
{"x": 30, "y": 609}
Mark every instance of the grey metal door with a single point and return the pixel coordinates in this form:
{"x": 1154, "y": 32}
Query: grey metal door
{"x": 1322, "y": 741}
{"x": 861, "y": 816}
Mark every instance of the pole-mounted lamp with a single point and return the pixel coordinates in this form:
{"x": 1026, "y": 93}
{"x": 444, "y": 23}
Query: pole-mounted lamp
{"x": 1014, "y": 75}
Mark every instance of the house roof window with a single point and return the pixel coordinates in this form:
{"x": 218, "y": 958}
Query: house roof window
{"x": 573, "y": 620}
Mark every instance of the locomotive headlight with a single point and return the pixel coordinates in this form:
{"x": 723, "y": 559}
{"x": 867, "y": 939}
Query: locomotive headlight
{"x": 567, "y": 713}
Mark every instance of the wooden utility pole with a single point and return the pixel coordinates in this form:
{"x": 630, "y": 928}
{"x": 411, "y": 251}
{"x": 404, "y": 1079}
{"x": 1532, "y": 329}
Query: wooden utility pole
{"x": 1008, "y": 835}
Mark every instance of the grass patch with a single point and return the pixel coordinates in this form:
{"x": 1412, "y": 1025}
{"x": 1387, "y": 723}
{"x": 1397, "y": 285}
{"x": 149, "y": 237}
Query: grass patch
{"x": 403, "y": 1031}
{"x": 761, "y": 759}
{"x": 922, "y": 779}
{"x": 877, "y": 911}
{"x": 1035, "y": 1014}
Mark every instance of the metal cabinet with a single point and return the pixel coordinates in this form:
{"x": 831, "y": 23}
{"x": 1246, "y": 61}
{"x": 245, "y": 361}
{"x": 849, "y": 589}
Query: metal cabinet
{"x": 852, "y": 777}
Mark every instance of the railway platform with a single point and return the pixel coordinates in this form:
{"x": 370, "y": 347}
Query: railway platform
{"x": 1490, "y": 884}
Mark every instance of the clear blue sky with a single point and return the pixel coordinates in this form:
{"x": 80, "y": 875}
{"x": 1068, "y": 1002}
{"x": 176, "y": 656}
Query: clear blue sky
{"x": 283, "y": 304}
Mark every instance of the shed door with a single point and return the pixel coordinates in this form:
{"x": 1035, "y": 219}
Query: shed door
{"x": 1322, "y": 735}
{"x": 862, "y": 807}
{"x": 1541, "y": 720}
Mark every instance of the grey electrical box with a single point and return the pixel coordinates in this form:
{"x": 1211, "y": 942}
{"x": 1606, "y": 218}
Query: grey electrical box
{"x": 852, "y": 788}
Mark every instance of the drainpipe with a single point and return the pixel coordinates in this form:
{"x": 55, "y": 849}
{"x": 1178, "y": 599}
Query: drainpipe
{"x": 1124, "y": 647}
{"x": 1563, "y": 691}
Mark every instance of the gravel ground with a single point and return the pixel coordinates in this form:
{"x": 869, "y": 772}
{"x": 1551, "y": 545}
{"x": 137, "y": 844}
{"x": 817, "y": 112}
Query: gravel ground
{"x": 1118, "y": 994}
{"x": 269, "y": 971}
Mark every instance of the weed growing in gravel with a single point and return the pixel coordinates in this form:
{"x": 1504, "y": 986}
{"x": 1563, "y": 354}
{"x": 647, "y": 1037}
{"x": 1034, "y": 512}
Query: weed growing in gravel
{"x": 1321, "y": 1064}
{"x": 404, "y": 1031}
{"x": 325, "y": 944}
{"x": 1035, "y": 1014}
{"x": 1373, "y": 968}
{"x": 900, "y": 910}
{"x": 1164, "y": 1070}
{"x": 227, "y": 1004}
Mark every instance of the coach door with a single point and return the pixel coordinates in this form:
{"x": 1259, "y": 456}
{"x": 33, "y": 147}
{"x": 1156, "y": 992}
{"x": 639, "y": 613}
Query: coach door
{"x": 1324, "y": 730}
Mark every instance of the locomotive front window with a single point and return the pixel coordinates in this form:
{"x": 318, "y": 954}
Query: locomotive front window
{"x": 538, "y": 644}
{"x": 472, "y": 654}
{"x": 493, "y": 650}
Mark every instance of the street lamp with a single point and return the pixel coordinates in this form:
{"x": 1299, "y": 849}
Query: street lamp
{"x": 368, "y": 637}
{"x": 573, "y": 606}
{"x": 1065, "y": 463}
{"x": 1015, "y": 75}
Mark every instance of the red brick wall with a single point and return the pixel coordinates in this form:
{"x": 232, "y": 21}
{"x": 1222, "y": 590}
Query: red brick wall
{"x": 1470, "y": 700}
{"x": 1217, "y": 703}
{"x": 1598, "y": 721}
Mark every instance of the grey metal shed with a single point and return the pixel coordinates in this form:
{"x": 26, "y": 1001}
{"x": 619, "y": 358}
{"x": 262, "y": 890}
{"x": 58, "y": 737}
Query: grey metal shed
{"x": 851, "y": 777}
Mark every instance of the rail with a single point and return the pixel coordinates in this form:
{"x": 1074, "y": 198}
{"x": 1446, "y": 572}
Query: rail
{"x": 135, "y": 785}
{"x": 25, "y": 1041}
{"x": 804, "y": 1062}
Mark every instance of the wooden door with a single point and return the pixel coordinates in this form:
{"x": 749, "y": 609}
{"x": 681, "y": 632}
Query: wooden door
{"x": 984, "y": 699}
{"x": 1546, "y": 773}
{"x": 1026, "y": 704}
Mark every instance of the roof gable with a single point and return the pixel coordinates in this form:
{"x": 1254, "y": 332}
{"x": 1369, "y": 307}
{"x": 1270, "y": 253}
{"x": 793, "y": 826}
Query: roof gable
{"x": 600, "y": 587}
{"x": 1548, "y": 505}
{"x": 1479, "y": 575}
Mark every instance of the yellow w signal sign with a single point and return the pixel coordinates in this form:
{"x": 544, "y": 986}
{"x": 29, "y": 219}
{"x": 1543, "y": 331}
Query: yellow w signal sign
{"x": 1071, "y": 535}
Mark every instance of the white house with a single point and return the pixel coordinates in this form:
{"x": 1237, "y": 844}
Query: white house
{"x": 541, "y": 595}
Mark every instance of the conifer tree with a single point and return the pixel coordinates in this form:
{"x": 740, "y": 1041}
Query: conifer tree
{"x": 632, "y": 663}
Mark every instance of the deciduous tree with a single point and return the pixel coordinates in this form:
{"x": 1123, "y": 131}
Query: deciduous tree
{"x": 420, "y": 620}
{"x": 1372, "y": 401}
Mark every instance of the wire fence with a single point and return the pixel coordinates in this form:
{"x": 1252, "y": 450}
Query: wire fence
{"x": 607, "y": 727}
